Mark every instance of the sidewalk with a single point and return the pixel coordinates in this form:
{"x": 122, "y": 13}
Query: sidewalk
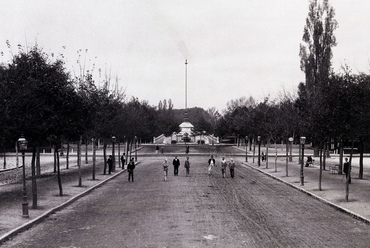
{"x": 333, "y": 186}
{"x": 49, "y": 201}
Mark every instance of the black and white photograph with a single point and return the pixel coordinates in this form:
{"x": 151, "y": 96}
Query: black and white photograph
{"x": 173, "y": 123}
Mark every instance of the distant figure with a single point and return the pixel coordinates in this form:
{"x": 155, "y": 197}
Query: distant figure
{"x": 162, "y": 150}
{"x": 130, "y": 169}
{"x": 223, "y": 167}
{"x": 232, "y": 167}
{"x": 263, "y": 156}
{"x": 347, "y": 170}
{"x": 165, "y": 169}
{"x": 211, "y": 164}
{"x": 123, "y": 161}
{"x": 187, "y": 149}
{"x": 187, "y": 166}
{"x": 309, "y": 161}
{"x": 156, "y": 149}
{"x": 110, "y": 164}
{"x": 176, "y": 164}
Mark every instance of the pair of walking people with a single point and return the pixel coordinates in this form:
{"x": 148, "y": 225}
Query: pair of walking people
{"x": 224, "y": 164}
{"x": 176, "y": 165}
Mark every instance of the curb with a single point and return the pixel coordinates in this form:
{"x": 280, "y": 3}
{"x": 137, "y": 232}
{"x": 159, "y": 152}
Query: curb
{"x": 38, "y": 219}
{"x": 341, "y": 209}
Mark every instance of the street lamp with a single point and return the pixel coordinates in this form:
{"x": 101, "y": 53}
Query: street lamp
{"x": 303, "y": 140}
{"x": 259, "y": 150}
{"x": 22, "y": 145}
{"x": 113, "y": 157}
{"x": 246, "y": 148}
{"x": 135, "y": 149}
{"x": 290, "y": 148}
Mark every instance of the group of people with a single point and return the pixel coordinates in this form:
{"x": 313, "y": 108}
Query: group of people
{"x": 211, "y": 165}
{"x": 224, "y": 165}
{"x": 176, "y": 165}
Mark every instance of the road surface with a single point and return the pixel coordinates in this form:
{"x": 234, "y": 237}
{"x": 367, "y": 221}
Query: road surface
{"x": 251, "y": 210}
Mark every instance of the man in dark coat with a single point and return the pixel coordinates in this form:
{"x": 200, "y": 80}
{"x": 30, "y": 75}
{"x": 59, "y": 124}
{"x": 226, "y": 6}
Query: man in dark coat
{"x": 176, "y": 164}
{"x": 110, "y": 164}
{"x": 130, "y": 169}
{"x": 347, "y": 170}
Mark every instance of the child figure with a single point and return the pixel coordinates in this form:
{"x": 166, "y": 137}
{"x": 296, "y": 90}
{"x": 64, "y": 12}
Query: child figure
{"x": 187, "y": 166}
{"x": 232, "y": 167}
{"x": 223, "y": 167}
{"x": 165, "y": 169}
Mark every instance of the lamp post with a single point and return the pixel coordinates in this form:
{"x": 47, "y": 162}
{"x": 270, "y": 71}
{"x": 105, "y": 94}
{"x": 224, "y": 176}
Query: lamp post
{"x": 303, "y": 140}
{"x": 22, "y": 145}
{"x": 113, "y": 157}
{"x": 246, "y": 148}
{"x": 259, "y": 150}
{"x": 290, "y": 148}
{"x": 135, "y": 149}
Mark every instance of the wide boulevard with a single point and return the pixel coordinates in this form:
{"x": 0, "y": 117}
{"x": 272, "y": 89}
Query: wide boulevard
{"x": 251, "y": 210}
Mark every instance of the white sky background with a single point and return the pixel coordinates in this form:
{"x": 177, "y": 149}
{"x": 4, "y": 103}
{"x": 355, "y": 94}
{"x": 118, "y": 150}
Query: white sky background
{"x": 234, "y": 48}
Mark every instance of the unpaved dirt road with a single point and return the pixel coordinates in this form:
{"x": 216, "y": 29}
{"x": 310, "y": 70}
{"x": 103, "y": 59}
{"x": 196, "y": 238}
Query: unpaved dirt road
{"x": 251, "y": 210}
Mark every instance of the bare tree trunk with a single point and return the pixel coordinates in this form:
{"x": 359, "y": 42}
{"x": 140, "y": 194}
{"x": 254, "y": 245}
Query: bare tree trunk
{"x": 361, "y": 162}
{"x": 55, "y": 159}
{"x": 267, "y": 153}
{"x": 86, "y": 151}
{"x": 320, "y": 174}
{"x": 119, "y": 155}
{"x": 105, "y": 157}
{"x": 349, "y": 170}
{"x": 67, "y": 156}
{"x": 254, "y": 148}
{"x": 16, "y": 155}
{"x": 94, "y": 158}
{"x": 287, "y": 160}
{"x": 59, "y": 178}
{"x": 127, "y": 145}
{"x": 38, "y": 165}
{"x": 79, "y": 162}
{"x": 324, "y": 162}
{"x": 34, "y": 184}
{"x": 340, "y": 157}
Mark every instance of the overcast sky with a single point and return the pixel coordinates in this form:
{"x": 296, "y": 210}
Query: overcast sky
{"x": 234, "y": 48}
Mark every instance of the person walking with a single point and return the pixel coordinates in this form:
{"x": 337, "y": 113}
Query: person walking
{"x": 223, "y": 167}
{"x": 176, "y": 164}
{"x": 123, "y": 161}
{"x": 211, "y": 164}
{"x": 110, "y": 164}
{"x": 165, "y": 169}
{"x": 156, "y": 149}
{"x": 187, "y": 166}
{"x": 130, "y": 169}
{"x": 232, "y": 167}
{"x": 346, "y": 170}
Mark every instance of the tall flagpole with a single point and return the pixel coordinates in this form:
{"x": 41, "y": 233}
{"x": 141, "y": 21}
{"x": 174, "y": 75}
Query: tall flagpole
{"x": 186, "y": 84}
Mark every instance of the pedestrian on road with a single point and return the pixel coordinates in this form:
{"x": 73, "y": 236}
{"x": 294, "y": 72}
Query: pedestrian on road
{"x": 110, "y": 164}
{"x": 156, "y": 149}
{"x": 123, "y": 161}
{"x": 211, "y": 164}
{"x": 165, "y": 169}
{"x": 187, "y": 166}
{"x": 347, "y": 170}
{"x": 130, "y": 169}
{"x": 232, "y": 167}
{"x": 176, "y": 164}
{"x": 223, "y": 167}
{"x": 187, "y": 149}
